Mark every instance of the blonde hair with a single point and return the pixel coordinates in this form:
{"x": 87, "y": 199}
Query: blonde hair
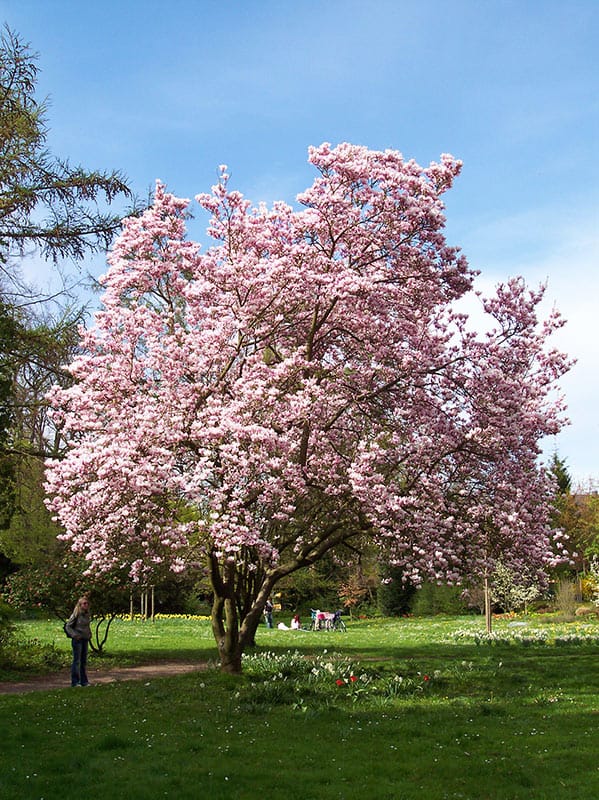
{"x": 77, "y": 609}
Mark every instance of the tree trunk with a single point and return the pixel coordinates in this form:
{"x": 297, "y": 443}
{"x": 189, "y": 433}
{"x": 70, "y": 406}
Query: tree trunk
{"x": 488, "y": 616}
{"x": 249, "y": 637}
{"x": 235, "y": 631}
{"x": 225, "y": 627}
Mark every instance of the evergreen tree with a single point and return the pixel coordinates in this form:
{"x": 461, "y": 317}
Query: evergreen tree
{"x": 560, "y": 472}
{"x": 44, "y": 201}
{"x": 48, "y": 206}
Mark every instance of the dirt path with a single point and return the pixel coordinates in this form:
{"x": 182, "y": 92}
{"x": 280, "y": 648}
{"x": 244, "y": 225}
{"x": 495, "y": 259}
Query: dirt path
{"x": 61, "y": 679}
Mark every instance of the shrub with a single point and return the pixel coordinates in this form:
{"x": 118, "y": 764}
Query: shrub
{"x": 511, "y": 591}
{"x": 593, "y": 581}
{"x": 431, "y": 599}
{"x": 565, "y": 597}
{"x": 6, "y": 625}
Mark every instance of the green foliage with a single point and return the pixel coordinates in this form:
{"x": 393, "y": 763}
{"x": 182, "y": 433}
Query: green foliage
{"x": 577, "y": 514}
{"x": 394, "y": 596}
{"x": 431, "y": 599}
{"x": 6, "y": 567}
{"x": 58, "y": 584}
{"x": 32, "y": 361}
{"x": 30, "y": 536}
{"x": 6, "y": 624}
{"x": 559, "y": 469}
{"x": 23, "y": 658}
{"x": 589, "y": 523}
{"x": 311, "y": 587}
{"x": 9, "y": 330}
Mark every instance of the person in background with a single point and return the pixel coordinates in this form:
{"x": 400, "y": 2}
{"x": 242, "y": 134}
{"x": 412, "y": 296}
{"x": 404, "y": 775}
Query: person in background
{"x": 268, "y": 613}
{"x": 295, "y": 623}
{"x": 79, "y": 629}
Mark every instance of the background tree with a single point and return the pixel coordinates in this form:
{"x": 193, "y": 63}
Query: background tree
{"x": 303, "y": 384}
{"x": 56, "y": 210}
{"x": 561, "y": 473}
{"x": 431, "y": 599}
{"x": 10, "y": 332}
{"x": 590, "y": 521}
{"x": 313, "y": 587}
{"x": 33, "y": 361}
{"x": 55, "y": 586}
{"x": 44, "y": 202}
{"x": 395, "y": 596}
{"x": 577, "y": 514}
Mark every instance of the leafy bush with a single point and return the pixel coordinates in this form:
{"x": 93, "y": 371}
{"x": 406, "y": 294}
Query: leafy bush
{"x": 56, "y": 585}
{"x": 589, "y": 589}
{"x": 6, "y": 624}
{"x": 30, "y": 657}
{"x": 431, "y": 599}
{"x": 19, "y": 655}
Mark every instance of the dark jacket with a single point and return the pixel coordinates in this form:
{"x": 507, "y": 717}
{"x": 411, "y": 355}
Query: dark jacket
{"x": 79, "y": 627}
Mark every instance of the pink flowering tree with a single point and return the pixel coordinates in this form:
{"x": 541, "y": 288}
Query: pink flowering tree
{"x": 306, "y": 382}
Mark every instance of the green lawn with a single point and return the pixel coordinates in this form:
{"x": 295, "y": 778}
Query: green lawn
{"x": 418, "y": 713}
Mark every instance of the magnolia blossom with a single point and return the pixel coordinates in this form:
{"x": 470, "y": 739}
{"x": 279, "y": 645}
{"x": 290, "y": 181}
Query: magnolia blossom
{"x": 307, "y": 381}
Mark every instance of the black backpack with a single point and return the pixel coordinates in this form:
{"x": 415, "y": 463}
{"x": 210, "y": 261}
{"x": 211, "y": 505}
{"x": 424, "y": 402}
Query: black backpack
{"x": 64, "y": 627}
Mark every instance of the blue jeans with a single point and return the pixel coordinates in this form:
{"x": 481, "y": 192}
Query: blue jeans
{"x": 78, "y": 671}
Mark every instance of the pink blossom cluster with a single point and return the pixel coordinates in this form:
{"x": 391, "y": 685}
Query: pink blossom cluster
{"x": 307, "y": 381}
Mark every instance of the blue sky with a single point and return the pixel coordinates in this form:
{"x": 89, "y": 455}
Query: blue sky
{"x": 172, "y": 89}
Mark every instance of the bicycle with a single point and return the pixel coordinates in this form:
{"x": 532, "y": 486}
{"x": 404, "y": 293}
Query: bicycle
{"x": 336, "y": 623}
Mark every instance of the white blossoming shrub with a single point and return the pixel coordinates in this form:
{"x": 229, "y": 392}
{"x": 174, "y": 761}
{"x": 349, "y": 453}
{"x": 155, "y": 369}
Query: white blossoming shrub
{"x": 594, "y": 570}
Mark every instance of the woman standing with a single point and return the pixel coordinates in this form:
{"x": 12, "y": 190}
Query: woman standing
{"x": 78, "y": 628}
